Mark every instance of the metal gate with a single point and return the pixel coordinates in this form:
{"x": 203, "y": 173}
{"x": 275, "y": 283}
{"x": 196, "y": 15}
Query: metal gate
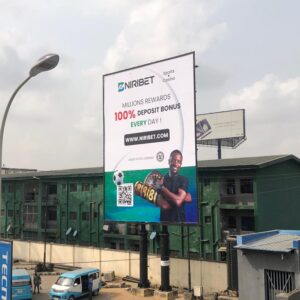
{"x": 278, "y": 282}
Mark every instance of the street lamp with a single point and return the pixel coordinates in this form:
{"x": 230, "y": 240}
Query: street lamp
{"x": 45, "y": 63}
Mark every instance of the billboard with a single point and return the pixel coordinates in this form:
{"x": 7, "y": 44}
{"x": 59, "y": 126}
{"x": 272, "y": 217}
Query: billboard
{"x": 220, "y": 126}
{"x": 6, "y": 269}
{"x": 149, "y": 143}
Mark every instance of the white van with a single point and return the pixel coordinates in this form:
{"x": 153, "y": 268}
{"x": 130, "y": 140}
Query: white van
{"x": 75, "y": 284}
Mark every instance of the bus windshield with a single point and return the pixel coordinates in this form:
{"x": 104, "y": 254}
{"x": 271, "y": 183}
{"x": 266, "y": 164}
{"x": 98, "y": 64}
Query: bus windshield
{"x": 64, "y": 281}
{"x": 23, "y": 282}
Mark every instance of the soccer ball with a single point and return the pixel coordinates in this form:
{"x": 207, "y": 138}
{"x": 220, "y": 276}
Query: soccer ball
{"x": 118, "y": 177}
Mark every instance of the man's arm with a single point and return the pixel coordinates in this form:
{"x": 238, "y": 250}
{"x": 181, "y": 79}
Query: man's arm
{"x": 166, "y": 196}
{"x": 176, "y": 199}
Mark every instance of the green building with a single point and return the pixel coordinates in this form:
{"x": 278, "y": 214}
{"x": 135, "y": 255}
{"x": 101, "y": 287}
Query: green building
{"x": 243, "y": 195}
{"x": 235, "y": 196}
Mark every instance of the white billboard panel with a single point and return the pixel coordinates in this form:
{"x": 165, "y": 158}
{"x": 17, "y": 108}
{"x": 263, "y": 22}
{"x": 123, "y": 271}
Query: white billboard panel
{"x": 149, "y": 111}
{"x": 220, "y": 125}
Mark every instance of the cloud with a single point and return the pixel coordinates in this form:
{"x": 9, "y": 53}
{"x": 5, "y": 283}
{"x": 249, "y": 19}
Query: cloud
{"x": 158, "y": 29}
{"x": 210, "y": 77}
{"x": 272, "y": 115}
{"x": 269, "y": 98}
{"x": 88, "y": 124}
{"x": 56, "y": 119}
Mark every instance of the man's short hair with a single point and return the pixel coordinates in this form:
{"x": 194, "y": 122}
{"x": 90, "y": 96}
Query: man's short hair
{"x": 176, "y": 151}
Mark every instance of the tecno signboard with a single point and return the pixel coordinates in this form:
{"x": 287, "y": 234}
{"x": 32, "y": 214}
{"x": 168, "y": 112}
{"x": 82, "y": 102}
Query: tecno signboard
{"x": 220, "y": 125}
{"x": 149, "y": 143}
{"x": 6, "y": 269}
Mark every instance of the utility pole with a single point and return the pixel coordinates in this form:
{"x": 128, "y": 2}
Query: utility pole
{"x": 46, "y": 225}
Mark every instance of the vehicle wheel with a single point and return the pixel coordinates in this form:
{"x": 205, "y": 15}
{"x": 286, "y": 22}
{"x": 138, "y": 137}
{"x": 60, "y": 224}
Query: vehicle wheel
{"x": 72, "y": 298}
{"x": 95, "y": 293}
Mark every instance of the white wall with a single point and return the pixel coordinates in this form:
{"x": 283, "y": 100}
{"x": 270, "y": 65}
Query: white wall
{"x": 252, "y": 266}
{"x": 212, "y": 276}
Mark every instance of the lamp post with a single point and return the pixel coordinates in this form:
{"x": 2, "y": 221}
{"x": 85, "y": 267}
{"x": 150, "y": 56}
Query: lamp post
{"x": 46, "y": 225}
{"x": 45, "y": 63}
{"x": 46, "y": 189}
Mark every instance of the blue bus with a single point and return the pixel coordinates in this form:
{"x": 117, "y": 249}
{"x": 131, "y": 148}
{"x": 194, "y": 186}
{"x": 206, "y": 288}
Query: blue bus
{"x": 75, "y": 284}
{"x": 21, "y": 285}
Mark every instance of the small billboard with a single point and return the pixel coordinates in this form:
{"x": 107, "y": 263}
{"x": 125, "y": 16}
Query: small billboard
{"x": 6, "y": 269}
{"x": 149, "y": 143}
{"x": 227, "y": 126}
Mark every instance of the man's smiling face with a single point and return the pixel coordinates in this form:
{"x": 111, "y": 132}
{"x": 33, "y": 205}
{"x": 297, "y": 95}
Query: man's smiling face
{"x": 175, "y": 162}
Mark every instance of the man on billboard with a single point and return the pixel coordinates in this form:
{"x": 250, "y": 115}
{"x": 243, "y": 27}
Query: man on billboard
{"x": 169, "y": 192}
{"x": 174, "y": 191}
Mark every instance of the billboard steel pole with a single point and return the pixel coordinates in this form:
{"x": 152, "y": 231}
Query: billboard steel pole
{"x": 219, "y": 148}
{"x": 189, "y": 259}
{"x": 165, "y": 260}
{"x": 144, "y": 282}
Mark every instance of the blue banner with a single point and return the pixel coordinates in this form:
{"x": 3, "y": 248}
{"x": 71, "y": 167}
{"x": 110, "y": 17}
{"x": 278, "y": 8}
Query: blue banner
{"x": 5, "y": 269}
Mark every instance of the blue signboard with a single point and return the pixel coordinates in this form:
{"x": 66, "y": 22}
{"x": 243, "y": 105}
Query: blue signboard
{"x": 5, "y": 269}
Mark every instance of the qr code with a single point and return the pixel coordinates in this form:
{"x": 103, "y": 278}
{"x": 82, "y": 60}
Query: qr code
{"x": 125, "y": 194}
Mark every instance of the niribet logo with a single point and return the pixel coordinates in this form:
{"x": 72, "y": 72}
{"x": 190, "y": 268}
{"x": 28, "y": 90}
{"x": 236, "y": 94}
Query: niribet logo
{"x": 121, "y": 86}
{"x": 135, "y": 83}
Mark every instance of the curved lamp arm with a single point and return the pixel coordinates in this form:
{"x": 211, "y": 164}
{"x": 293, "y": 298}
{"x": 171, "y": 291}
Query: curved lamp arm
{"x": 45, "y": 63}
{"x": 1, "y": 136}
{"x": 5, "y": 116}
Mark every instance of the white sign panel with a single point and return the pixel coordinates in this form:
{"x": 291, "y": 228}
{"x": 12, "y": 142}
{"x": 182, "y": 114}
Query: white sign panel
{"x": 220, "y": 125}
{"x": 149, "y": 111}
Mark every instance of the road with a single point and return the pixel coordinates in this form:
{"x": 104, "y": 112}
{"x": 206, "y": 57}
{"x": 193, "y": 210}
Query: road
{"x": 105, "y": 293}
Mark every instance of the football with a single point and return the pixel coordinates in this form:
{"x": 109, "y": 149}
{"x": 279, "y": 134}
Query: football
{"x": 118, "y": 177}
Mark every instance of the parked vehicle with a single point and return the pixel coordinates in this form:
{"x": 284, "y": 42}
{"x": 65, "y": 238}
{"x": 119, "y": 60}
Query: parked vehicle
{"x": 21, "y": 285}
{"x": 74, "y": 284}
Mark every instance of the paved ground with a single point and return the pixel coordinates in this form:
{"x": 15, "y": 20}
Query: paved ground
{"x": 105, "y": 293}
{"x": 48, "y": 280}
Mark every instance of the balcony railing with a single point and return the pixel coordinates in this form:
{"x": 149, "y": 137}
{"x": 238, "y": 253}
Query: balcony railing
{"x": 238, "y": 199}
{"x": 29, "y": 225}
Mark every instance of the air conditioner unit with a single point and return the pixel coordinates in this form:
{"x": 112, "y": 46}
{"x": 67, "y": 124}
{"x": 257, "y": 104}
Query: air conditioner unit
{"x": 109, "y": 276}
{"x": 198, "y": 291}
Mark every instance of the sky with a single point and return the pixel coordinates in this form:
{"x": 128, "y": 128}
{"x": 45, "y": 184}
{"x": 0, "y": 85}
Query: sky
{"x": 247, "y": 52}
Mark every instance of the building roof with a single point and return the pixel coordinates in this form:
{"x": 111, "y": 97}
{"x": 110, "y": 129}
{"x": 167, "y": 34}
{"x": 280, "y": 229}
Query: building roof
{"x": 282, "y": 241}
{"x": 215, "y": 164}
{"x": 96, "y": 171}
{"x": 245, "y": 162}
{"x": 5, "y": 170}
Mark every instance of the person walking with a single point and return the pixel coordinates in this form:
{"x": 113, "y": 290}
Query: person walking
{"x": 36, "y": 282}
